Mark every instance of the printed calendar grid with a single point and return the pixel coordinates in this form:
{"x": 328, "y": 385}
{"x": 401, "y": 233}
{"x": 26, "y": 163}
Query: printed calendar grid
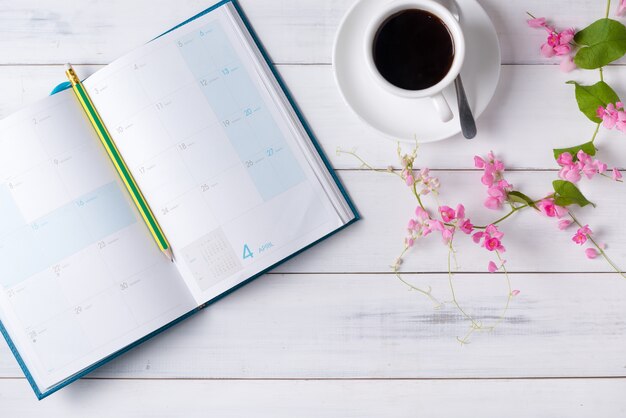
{"x": 190, "y": 97}
{"x": 56, "y": 269}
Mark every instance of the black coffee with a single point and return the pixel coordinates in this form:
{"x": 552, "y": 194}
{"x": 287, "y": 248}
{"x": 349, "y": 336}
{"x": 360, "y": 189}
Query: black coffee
{"x": 413, "y": 49}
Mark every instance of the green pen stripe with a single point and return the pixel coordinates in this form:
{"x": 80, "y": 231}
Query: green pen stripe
{"x": 118, "y": 159}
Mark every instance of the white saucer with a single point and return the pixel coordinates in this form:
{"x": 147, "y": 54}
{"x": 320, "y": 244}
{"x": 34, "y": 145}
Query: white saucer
{"x": 408, "y": 119}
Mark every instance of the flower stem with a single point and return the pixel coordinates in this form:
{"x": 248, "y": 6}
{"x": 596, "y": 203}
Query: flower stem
{"x": 515, "y": 209}
{"x": 595, "y": 133}
{"x": 608, "y": 9}
{"x": 365, "y": 164}
{"x": 417, "y": 196}
{"x": 427, "y": 293}
{"x": 475, "y": 324}
{"x": 510, "y": 297}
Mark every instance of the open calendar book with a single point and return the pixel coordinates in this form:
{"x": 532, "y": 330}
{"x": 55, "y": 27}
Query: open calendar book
{"x": 220, "y": 152}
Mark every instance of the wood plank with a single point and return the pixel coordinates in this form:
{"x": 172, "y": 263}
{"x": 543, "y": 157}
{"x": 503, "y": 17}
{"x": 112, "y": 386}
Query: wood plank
{"x": 319, "y": 399}
{"x": 293, "y": 31}
{"x": 372, "y": 326}
{"x": 523, "y": 123}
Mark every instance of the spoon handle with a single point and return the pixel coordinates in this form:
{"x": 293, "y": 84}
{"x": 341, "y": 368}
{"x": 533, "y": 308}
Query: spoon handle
{"x": 468, "y": 124}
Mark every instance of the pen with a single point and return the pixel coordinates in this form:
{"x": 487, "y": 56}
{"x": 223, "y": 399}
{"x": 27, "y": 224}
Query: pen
{"x": 118, "y": 162}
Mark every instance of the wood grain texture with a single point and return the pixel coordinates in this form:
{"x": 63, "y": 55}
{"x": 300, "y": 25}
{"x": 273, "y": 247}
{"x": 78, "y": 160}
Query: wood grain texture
{"x": 293, "y": 31}
{"x": 372, "y": 326}
{"x": 320, "y": 399}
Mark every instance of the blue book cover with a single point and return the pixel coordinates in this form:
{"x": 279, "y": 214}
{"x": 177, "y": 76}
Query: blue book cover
{"x": 266, "y": 188}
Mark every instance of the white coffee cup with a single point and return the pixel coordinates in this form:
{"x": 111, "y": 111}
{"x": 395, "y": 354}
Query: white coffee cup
{"x": 434, "y": 92}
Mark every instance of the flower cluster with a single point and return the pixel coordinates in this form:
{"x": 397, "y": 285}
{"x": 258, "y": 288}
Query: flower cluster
{"x": 491, "y": 240}
{"x": 551, "y": 209}
{"x": 573, "y": 170}
{"x": 613, "y": 116}
{"x": 557, "y": 43}
{"x": 451, "y": 220}
{"x": 428, "y": 184}
{"x": 497, "y": 187}
{"x": 582, "y": 235}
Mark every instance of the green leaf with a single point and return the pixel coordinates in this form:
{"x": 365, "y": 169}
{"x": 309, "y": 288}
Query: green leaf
{"x": 566, "y": 193}
{"x": 587, "y": 148}
{"x": 590, "y": 98}
{"x": 602, "y": 42}
{"x": 520, "y": 197}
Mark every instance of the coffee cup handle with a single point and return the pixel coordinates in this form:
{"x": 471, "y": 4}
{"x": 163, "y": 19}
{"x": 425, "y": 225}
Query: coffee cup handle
{"x": 442, "y": 107}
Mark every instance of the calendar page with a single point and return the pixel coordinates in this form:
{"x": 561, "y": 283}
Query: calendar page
{"x": 224, "y": 167}
{"x": 81, "y": 276}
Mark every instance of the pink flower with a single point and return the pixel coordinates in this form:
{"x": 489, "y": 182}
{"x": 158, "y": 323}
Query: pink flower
{"x": 435, "y": 225}
{"x": 418, "y": 227}
{"x": 447, "y": 234}
{"x": 600, "y": 166}
{"x": 538, "y": 22}
{"x": 493, "y": 231}
{"x": 591, "y": 253}
{"x": 492, "y": 267}
{"x": 557, "y": 43}
{"x": 572, "y": 171}
{"x": 613, "y": 116}
{"x": 579, "y": 238}
{"x": 447, "y": 213}
{"x": 421, "y": 213}
{"x": 515, "y": 293}
{"x": 550, "y": 209}
{"x": 496, "y": 197}
{"x": 492, "y": 167}
{"x": 581, "y": 235}
{"x": 410, "y": 180}
{"x": 429, "y": 183}
{"x": 466, "y": 226}
{"x": 493, "y": 244}
{"x": 617, "y": 176}
{"x": 564, "y": 224}
{"x": 583, "y": 157}
{"x": 491, "y": 239}
{"x": 565, "y": 159}
{"x": 460, "y": 211}
{"x": 621, "y": 8}
{"x": 621, "y": 121}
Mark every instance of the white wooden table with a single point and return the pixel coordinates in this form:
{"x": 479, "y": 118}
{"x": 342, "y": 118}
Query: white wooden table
{"x": 333, "y": 333}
